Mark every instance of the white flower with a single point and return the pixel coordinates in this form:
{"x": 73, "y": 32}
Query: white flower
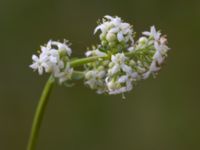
{"x": 116, "y": 68}
{"x": 120, "y": 75}
{"x": 37, "y": 64}
{"x": 95, "y": 80}
{"x": 114, "y": 30}
{"x": 160, "y": 52}
{"x": 119, "y": 58}
{"x": 62, "y": 47}
{"x": 111, "y": 69}
{"x": 66, "y": 74}
{"x": 123, "y": 79}
{"x": 53, "y": 59}
{"x": 128, "y": 87}
{"x": 153, "y": 33}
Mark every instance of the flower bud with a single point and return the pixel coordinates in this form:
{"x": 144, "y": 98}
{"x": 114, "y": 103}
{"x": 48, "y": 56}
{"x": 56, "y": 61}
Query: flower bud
{"x": 143, "y": 40}
{"x": 111, "y": 85}
{"x": 88, "y": 75}
{"x": 110, "y": 37}
{"x": 104, "y": 43}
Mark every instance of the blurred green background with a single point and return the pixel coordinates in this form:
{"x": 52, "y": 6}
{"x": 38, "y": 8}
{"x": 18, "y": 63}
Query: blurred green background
{"x": 159, "y": 114}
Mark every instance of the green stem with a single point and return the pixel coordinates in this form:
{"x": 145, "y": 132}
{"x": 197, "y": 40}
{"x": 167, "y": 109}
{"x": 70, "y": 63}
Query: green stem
{"x": 39, "y": 114}
{"x": 44, "y": 99}
{"x": 86, "y": 60}
{"x": 82, "y": 61}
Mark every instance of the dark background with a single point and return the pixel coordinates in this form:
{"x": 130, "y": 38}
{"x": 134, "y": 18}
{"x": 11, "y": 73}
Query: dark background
{"x": 159, "y": 114}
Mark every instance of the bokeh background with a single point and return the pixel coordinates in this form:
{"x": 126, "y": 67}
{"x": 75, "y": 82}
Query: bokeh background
{"x": 159, "y": 114}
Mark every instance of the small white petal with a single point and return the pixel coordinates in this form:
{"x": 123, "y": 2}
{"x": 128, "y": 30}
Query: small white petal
{"x": 53, "y": 59}
{"x": 99, "y": 27}
{"x": 99, "y": 53}
{"x": 35, "y": 58}
{"x": 123, "y": 79}
{"x": 146, "y": 75}
{"x": 108, "y": 17}
{"x": 120, "y": 36}
{"x": 127, "y": 69}
{"x": 115, "y": 69}
{"x": 146, "y": 33}
{"x": 153, "y": 67}
{"x": 88, "y": 53}
{"x": 34, "y": 66}
{"x": 114, "y": 30}
{"x": 153, "y": 30}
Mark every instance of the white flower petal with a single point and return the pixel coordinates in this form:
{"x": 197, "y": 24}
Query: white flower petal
{"x": 99, "y": 27}
{"x": 120, "y": 36}
{"x": 123, "y": 79}
{"x": 108, "y": 17}
{"x": 88, "y": 53}
{"x": 127, "y": 69}
{"x": 35, "y": 58}
{"x": 99, "y": 53}
{"x": 146, "y": 33}
{"x": 146, "y": 75}
{"x": 114, "y": 30}
{"x": 115, "y": 69}
{"x": 34, "y": 66}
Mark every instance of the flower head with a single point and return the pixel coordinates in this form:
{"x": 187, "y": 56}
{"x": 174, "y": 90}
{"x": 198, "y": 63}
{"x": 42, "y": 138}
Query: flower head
{"x": 115, "y": 65}
{"x": 159, "y": 51}
{"x": 121, "y": 72}
{"x": 115, "y": 32}
{"x": 120, "y": 75}
{"x": 53, "y": 58}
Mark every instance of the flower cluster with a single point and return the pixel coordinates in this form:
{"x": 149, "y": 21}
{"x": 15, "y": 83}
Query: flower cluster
{"x": 122, "y": 69}
{"x": 113, "y": 76}
{"x": 115, "y": 33}
{"x": 120, "y": 74}
{"x": 115, "y": 65}
{"x": 53, "y": 58}
{"x": 160, "y": 51}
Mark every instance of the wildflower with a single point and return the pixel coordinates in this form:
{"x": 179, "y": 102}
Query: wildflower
{"x": 115, "y": 32}
{"x": 120, "y": 75}
{"x": 94, "y": 79}
{"x": 160, "y": 51}
{"x": 53, "y": 58}
{"x": 117, "y": 63}
{"x": 122, "y": 72}
{"x": 153, "y": 33}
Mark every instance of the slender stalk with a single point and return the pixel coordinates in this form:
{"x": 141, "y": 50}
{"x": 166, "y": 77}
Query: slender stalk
{"x": 82, "y": 61}
{"x": 43, "y": 102}
{"x": 39, "y": 114}
{"x": 86, "y": 60}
